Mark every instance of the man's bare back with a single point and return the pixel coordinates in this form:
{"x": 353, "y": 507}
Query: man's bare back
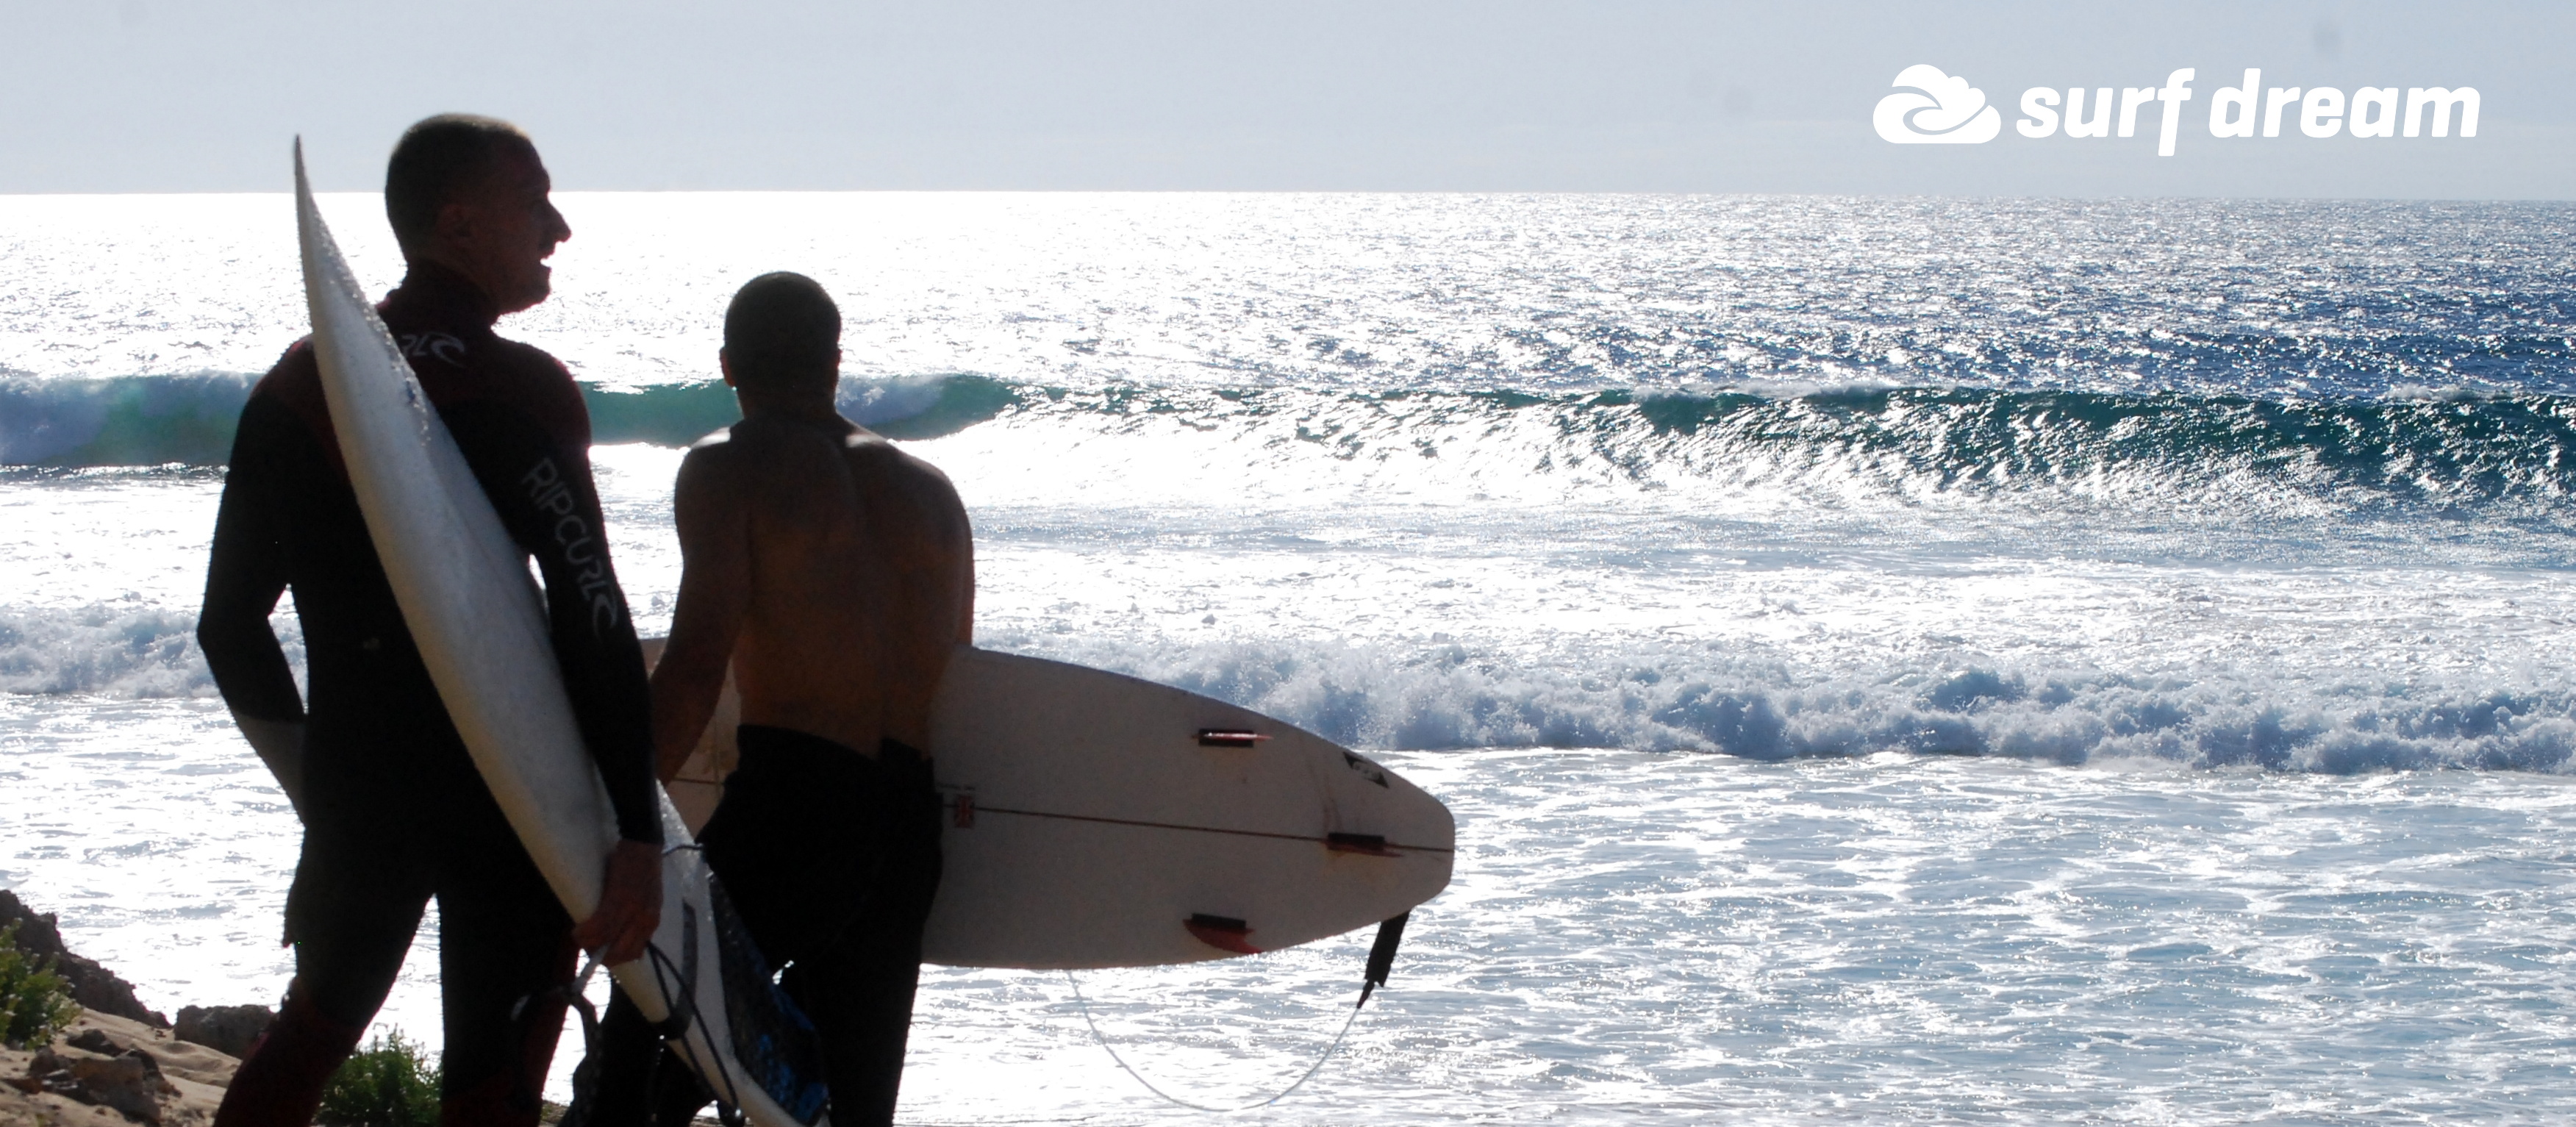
{"x": 836, "y": 575}
{"x": 834, "y": 570}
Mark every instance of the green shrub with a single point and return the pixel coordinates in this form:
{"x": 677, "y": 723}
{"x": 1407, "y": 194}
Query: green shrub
{"x": 35, "y": 1003}
{"x": 390, "y": 1083}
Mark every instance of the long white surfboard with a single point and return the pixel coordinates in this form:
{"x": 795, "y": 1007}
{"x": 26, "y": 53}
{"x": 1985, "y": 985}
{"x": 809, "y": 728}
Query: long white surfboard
{"x": 1096, "y": 820}
{"x": 465, "y": 592}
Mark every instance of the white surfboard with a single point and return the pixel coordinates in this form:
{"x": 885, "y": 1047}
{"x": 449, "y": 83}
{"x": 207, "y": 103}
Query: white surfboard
{"x": 1096, "y": 820}
{"x": 465, "y": 592}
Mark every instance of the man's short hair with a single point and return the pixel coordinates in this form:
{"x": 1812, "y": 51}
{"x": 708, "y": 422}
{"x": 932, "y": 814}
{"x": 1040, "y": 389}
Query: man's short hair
{"x": 435, "y": 157}
{"x": 782, "y": 332}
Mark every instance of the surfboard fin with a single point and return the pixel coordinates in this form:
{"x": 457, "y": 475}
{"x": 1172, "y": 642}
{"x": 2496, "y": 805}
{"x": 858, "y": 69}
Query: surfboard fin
{"x": 1381, "y": 960}
{"x": 1224, "y": 933}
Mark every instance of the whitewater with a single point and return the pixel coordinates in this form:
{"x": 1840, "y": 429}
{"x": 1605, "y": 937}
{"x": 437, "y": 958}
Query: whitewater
{"x": 1930, "y": 660}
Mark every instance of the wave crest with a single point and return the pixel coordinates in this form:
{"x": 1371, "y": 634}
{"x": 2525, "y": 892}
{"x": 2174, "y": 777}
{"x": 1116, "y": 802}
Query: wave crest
{"x": 1698, "y": 699}
{"x": 2418, "y": 450}
{"x": 189, "y": 420}
{"x": 1899, "y": 443}
{"x": 103, "y": 650}
{"x": 130, "y": 421}
{"x": 1677, "y": 698}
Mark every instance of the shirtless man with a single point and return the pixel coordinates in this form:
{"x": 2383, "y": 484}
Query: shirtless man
{"x": 836, "y": 574}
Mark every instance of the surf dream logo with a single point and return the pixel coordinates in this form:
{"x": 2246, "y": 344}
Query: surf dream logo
{"x": 1941, "y": 110}
{"x": 1932, "y": 107}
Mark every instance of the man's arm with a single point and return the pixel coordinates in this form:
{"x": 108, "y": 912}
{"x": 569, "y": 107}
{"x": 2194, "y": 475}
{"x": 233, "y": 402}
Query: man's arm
{"x": 937, "y": 561}
{"x": 545, "y": 496}
{"x": 715, "y": 594}
{"x": 245, "y": 574}
{"x": 543, "y": 491}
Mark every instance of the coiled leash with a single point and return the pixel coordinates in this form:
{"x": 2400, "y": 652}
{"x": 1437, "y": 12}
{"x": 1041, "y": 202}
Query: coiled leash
{"x": 676, "y": 984}
{"x": 679, "y": 985}
{"x": 585, "y": 1076}
{"x": 1381, "y": 960}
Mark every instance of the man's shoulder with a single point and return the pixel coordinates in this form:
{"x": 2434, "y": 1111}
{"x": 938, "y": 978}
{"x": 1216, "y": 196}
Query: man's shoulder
{"x": 758, "y": 450}
{"x": 876, "y": 453}
{"x": 522, "y": 353}
{"x": 715, "y": 449}
{"x": 765, "y": 449}
{"x": 717, "y": 442}
{"x": 294, "y": 382}
{"x": 528, "y": 368}
{"x": 530, "y": 380}
{"x": 769, "y": 438}
{"x": 286, "y": 411}
{"x": 294, "y": 365}
{"x": 892, "y": 473}
{"x": 713, "y": 461}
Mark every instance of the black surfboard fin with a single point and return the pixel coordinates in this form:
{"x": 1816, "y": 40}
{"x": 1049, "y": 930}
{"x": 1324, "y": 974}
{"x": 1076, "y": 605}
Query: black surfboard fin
{"x": 1381, "y": 958}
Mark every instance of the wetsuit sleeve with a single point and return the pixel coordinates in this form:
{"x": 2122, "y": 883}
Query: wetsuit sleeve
{"x": 543, "y": 490}
{"x": 247, "y": 570}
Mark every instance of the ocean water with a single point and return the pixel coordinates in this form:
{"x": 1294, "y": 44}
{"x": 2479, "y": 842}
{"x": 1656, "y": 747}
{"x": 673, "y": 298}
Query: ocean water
{"x": 1919, "y": 660}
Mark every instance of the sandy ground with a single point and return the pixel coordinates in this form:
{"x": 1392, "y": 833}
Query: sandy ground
{"x": 195, "y": 1077}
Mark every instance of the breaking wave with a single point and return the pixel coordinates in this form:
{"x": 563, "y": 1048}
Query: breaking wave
{"x": 131, "y": 421}
{"x": 1673, "y": 698}
{"x": 2412, "y": 449}
{"x": 1705, "y": 699}
{"x": 188, "y": 420}
{"x": 120, "y": 652}
{"x": 2422, "y": 451}
{"x": 103, "y": 650}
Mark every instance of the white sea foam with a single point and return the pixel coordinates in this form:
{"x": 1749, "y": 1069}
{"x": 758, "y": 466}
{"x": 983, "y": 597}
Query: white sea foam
{"x": 129, "y": 653}
{"x": 1633, "y": 936}
{"x": 1701, "y": 698}
{"x": 1755, "y": 702}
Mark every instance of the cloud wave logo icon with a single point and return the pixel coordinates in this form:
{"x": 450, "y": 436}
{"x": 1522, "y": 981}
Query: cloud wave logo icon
{"x": 1935, "y": 109}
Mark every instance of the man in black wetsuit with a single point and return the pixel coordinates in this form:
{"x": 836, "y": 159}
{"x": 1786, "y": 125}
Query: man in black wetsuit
{"x": 394, "y": 812}
{"x": 835, "y": 574}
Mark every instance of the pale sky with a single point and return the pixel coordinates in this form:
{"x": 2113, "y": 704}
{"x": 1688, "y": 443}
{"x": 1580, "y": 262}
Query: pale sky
{"x": 1477, "y": 95}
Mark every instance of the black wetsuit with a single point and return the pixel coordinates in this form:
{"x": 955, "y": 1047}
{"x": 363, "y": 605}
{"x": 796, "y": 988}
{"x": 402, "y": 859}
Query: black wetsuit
{"x": 832, "y": 859}
{"x": 394, "y": 811}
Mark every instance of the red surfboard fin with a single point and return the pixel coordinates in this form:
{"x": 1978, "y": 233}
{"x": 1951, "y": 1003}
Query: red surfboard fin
{"x": 1224, "y": 933}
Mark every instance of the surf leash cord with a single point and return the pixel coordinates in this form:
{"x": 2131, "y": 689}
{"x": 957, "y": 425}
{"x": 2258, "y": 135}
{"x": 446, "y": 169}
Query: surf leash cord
{"x": 1381, "y": 960}
{"x": 679, "y": 983}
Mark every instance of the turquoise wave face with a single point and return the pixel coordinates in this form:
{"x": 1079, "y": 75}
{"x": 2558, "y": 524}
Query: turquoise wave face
{"x": 681, "y": 414}
{"x": 2440, "y": 453}
{"x": 132, "y": 421}
{"x": 188, "y": 420}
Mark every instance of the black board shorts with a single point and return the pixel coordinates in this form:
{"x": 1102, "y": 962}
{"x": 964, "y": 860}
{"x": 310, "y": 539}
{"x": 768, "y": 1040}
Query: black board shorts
{"x": 830, "y": 859}
{"x": 811, "y": 835}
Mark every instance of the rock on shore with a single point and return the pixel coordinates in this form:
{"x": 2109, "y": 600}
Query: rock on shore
{"x": 119, "y": 1063}
{"x": 110, "y": 1071}
{"x": 230, "y": 1030}
{"x": 95, "y": 987}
